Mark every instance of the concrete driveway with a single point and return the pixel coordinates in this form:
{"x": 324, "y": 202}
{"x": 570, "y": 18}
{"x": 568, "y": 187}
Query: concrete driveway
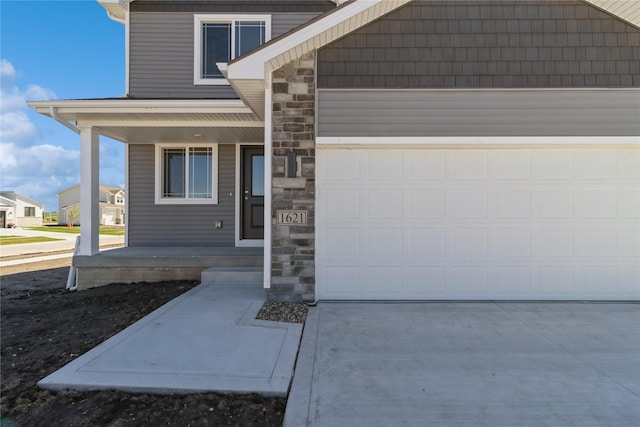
{"x": 463, "y": 364}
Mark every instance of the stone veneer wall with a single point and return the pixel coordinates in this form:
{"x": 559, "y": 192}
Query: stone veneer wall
{"x": 293, "y": 247}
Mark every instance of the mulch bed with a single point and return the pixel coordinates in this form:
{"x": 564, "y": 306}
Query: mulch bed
{"x": 43, "y": 327}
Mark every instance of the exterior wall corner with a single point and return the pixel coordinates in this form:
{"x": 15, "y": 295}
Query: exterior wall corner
{"x": 293, "y": 133}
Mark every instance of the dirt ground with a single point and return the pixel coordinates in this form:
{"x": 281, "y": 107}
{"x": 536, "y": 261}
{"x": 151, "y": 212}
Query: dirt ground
{"x": 43, "y": 327}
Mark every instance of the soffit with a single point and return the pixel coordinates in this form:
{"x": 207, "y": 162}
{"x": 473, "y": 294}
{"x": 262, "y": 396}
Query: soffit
{"x": 151, "y": 121}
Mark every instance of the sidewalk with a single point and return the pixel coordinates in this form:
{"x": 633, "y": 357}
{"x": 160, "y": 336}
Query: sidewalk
{"x": 205, "y": 340}
{"x": 35, "y": 252}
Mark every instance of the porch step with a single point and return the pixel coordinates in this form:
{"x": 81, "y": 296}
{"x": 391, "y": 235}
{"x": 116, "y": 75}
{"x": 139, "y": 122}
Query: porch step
{"x": 232, "y": 275}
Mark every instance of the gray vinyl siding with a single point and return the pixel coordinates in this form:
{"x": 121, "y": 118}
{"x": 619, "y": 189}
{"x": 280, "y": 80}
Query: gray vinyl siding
{"x": 233, "y": 6}
{"x": 161, "y": 54}
{"x": 397, "y": 113}
{"x": 486, "y": 44}
{"x": 178, "y": 225}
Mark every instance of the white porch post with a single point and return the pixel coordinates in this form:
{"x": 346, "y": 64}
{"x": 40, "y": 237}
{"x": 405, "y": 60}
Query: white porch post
{"x": 89, "y": 190}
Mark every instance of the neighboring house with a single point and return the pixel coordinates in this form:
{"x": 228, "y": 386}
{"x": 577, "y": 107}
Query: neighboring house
{"x": 112, "y": 205}
{"x": 17, "y": 210}
{"x": 380, "y": 149}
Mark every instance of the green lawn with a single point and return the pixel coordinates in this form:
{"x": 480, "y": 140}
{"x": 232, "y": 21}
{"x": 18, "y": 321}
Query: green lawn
{"x": 14, "y": 240}
{"x": 112, "y": 231}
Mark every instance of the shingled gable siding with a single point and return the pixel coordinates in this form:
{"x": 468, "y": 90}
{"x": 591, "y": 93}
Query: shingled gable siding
{"x": 486, "y": 44}
{"x": 178, "y": 225}
{"x": 161, "y": 53}
{"x": 293, "y": 247}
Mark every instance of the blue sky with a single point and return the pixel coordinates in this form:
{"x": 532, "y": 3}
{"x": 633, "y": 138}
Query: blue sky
{"x": 53, "y": 49}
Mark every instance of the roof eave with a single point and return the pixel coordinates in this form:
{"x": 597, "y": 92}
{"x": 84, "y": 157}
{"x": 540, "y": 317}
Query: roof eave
{"x": 245, "y": 72}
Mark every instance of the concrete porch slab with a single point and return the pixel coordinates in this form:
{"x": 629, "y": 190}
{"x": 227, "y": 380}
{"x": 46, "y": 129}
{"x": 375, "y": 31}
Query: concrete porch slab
{"x": 206, "y": 340}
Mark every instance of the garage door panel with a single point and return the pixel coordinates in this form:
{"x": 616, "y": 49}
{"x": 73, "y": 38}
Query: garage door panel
{"x": 596, "y": 164}
{"x": 509, "y": 202}
{"x": 500, "y": 223}
{"x": 424, "y": 166}
{"x": 629, "y": 281}
{"x": 467, "y": 164}
{"x": 628, "y": 241}
{"x": 466, "y": 243}
{"x": 426, "y": 282}
{"x": 467, "y": 202}
{"x": 558, "y": 166}
{"x": 510, "y": 165}
{"x": 628, "y": 202}
{"x": 384, "y": 282}
{"x": 552, "y": 203}
{"x": 511, "y": 282}
{"x": 510, "y": 242}
{"x": 554, "y": 240}
{"x": 383, "y": 203}
{"x": 383, "y": 166}
{"x": 553, "y": 282}
{"x": 342, "y": 282}
{"x": 596, "y": 203}
{"x": 342, "y": 244}
{"x": 424, "y": 244}
{"x": 469, "y": 282}
{"x": 384, "y": 244}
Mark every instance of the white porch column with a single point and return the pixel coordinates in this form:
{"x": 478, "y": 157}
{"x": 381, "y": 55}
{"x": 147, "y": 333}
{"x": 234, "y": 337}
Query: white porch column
{"x": 89, "y": 191}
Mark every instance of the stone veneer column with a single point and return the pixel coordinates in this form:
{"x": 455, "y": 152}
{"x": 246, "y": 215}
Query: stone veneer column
{"x": 293, "y": 247}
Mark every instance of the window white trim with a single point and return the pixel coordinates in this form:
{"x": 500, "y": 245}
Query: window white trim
{"x": 159, "y": 200}
{"x": 199, "y": 19}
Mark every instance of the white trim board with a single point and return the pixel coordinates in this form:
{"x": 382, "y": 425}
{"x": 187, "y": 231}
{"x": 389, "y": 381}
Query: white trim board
{"x": 480, "y": 141}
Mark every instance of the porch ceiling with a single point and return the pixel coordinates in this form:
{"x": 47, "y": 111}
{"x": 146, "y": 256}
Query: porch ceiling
{"x": 150, "y": 121}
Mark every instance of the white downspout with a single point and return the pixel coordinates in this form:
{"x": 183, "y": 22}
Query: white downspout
{"x": 54, "y": 114}
{"x": 268, "y": 150}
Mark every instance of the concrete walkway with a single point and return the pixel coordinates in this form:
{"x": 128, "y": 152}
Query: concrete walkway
{"x": 475, "y": 364}
{"x": 205, "y": 340}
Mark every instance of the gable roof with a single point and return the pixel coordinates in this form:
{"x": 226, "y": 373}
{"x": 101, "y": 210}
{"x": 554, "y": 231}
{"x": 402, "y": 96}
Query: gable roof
{"x": 248, "y": 73}
{"x": 12, "y": 195}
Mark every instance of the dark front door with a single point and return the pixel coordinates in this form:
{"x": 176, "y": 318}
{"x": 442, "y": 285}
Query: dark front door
{"x": 3, "y": 224}
{"x": 252, "y": 187}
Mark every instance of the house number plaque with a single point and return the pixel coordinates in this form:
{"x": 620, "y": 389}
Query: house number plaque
{"x": 291, "y": 217}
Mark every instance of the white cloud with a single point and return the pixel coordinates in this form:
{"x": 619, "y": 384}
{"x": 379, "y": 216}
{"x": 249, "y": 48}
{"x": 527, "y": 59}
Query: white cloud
{"x": 7, "y": 72}
{"x": 37, "y": 168}
{"x": 15, "y": 125}
{"x": 38, "y": 171}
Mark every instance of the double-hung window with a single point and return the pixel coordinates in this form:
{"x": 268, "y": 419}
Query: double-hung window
{"x": 222, "y": 38}
{"x": 29, "y": 211}
{"x": 186, "y": 173}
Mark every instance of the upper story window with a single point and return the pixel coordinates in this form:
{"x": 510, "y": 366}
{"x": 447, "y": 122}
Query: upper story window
{"x": 186, "y": 173}
{"x": 119, "y": 199}
{"x": 222, "y": 38}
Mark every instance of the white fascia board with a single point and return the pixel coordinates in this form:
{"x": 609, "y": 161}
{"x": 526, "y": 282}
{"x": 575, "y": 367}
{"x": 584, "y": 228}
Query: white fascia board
{"x": 252, "y": 67}
{"x": 475, "y": 141}
{"x": 116, "y": 9}
{"x": 142, "y": 106}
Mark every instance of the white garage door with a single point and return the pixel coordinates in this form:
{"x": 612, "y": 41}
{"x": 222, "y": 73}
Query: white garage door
{"x": 467, "y": 224}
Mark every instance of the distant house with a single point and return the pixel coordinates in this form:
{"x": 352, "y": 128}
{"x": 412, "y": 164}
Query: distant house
{"x": 112, "y": 205}
{"x": 17, "y": 210}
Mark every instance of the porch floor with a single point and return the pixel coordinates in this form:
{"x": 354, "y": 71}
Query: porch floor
{"x": 205, "y": 340}
{"x": 151, "y": 256}
{"x": 155, "y": 264}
